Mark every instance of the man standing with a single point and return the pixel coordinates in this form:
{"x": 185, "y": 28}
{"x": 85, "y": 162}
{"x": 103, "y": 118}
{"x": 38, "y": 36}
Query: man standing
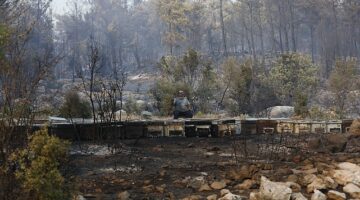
{"x": 182, "y": 107}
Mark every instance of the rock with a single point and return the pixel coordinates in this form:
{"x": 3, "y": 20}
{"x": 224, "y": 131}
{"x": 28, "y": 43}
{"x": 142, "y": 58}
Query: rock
{"x": 293, "y": 178}
{"x": 218, "y": 185}
{"x": 335, "y": 195}
{"x": 307, "y": 171}
{"x": 160, "y": 189}
{"x": 80, "y": 197}
{"x": 162, "y": 173}
{"x": 323, "y": 166}
{"x": 245, "y": 185}
{"x": 293, "y": 186}
{"x": 123, "y": 195}
{"x": 196, "y": 182}
{"x": 343, "y": 177}
{"x": 146, "y": 114}
{"x": 317, "y": 184}
{"x": 307, "y": 179}
{"x": 280, "y": 111}
{"x": 273, "y": 190}
{"x": 157, "y": 149}
{"x": 245, "y": 172}
{"x": 223, "y": 192}
{"x": 147, "y": 182}
{"x": 205, "y": 187}
{"x": 318, "y": 195}
{"x": 193, "y": 197}
{"x": 349, "y": 167}
{"x": 330, "y": 183}
{"x": 148, "y": 189}
{"x": 204, "y": 174}
{"x": 298, "y": 196}
{"x": 230, "y": 196}
{"x": 211, "y": 197}
{"x": 191, "y": 145}
{"x": 254, "y": 196}
{"x": 171, "y": 196}
{"x": 353, "y": 190}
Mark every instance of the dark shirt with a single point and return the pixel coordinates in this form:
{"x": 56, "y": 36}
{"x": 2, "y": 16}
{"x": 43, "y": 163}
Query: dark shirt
{"x": 181, "y": 104}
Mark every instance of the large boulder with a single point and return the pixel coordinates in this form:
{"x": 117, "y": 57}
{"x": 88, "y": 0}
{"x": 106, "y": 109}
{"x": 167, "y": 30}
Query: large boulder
{"x": 280, "y": 112}
{"x": 273, "y": 190}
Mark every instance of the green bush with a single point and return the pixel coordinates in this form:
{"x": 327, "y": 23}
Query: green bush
{"x": 164, "y": 92}
{"x": 131, "y": 107}
{"x": 75, "y": 107}
{"x": 39, "y": 167}
{"x": 191, "y": 73}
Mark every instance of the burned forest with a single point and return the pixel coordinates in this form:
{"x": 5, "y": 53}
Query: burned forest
{"x": 179, "y": 99}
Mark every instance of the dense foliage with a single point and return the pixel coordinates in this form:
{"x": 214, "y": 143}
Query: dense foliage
{"x": 75, "y": 107}
{"x": 38, "y": 167}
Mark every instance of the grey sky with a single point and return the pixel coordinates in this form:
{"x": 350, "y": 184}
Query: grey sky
{"x": 58, "y": 6}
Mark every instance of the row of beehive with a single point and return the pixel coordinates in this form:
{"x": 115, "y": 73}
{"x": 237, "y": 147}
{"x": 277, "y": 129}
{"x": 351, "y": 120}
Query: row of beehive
{"x": 195, "y": 128}
{"x": 294, "y": 126}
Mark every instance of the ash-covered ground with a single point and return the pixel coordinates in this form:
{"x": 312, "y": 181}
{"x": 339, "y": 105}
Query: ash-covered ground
{"x": 217, "y": 168}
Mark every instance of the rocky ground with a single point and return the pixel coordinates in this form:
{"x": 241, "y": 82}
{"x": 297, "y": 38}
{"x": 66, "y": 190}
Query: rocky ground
{"x": 211, "y": 168}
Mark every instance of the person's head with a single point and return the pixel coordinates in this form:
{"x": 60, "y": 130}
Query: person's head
{"x": 181, "y": 93}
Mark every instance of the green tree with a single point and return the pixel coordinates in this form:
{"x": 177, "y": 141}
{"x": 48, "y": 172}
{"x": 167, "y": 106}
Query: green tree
{"x": 190, "y": 73}
{"x": 164, "y": 92}
{"x": 206, "y": 92}
{"x": 342, "y": 80}
{"x": 131, "y": 107}
{"x": 238, "y": 78}
{"x": 173, "y": 14}
{"x": 293, "y": 78}
{"x": 39, "y": 167}
{"x": 75, "y": 107}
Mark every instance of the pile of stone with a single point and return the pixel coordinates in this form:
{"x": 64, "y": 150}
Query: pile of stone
{"x": 340, "y": 183}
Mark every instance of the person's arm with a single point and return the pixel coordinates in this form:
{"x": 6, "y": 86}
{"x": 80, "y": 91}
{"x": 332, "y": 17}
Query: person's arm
{"x": 188, "y": 105}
